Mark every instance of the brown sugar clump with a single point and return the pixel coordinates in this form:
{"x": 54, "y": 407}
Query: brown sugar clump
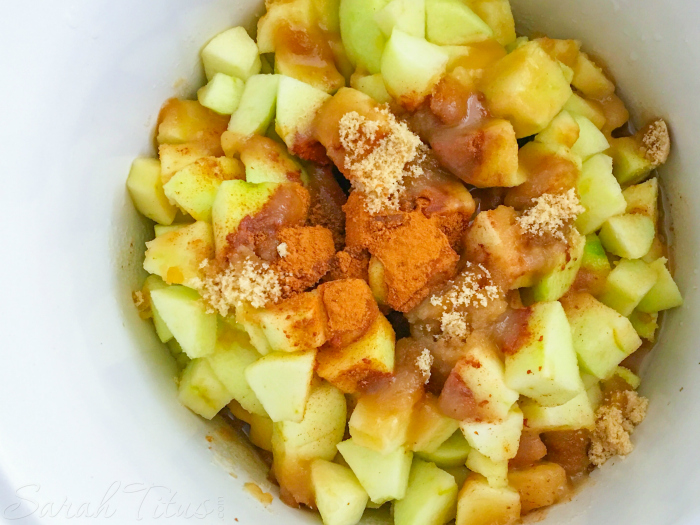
{"x": 615, "y": 422}
{"x": 550, "y": 214}
{"x": 351, "y": 310}
{"x": 308, "y": 254}
{"x": 656, "y": 142}
{"x": 349, "y": 264}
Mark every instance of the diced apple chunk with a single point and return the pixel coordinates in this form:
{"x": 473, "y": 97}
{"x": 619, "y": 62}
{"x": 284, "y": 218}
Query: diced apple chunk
{"x": 628, "y": 377}
{"x": 429, "y": 427}
{"x": 539, "y": 486}
{"x": 266, "y": 160}
{"x": 563, "y": 129}
{"x": 481, "y": 504}
{"x": 361, "y": 34}
{"x": 452, "y": 453}
{"x": 495, "y": 472}
{"x": 498, "y": 441}
{"x": 627, "y": 285}
{"x": 452, "y": 23}
{"x": 498, "y": 15}
{"x": 628, "y": 235}
{"x": 590, "y": 80}
{"x": 590, "y": 140}
{"x": 221, "y": 94}
{"x": 174, "y": 157}
{"x": 257, "y": 106}
{"x": 411, "y": 67}
{"x": 201, "y": 391}
{"x": 187, "y": 122}
{"x": 185, "y": 315}
{"x": 146, "y": 189}
{"x": 381, "y": 427}
{"x": 576, "y": 414}
{"x": 645, "y": 324}
{"x": 599, "y": 193}
{"x": 643, "y": 199}
{"x": 527, "y": 87}
{"x": 233, "y": 53}
{"x": 592, "y": 110}
{"x": 297, "y": 105}
{"x": 557, "y": 282}
{"x": 383, "y": 476}
{"x": 664, "y": 294}
{"x": 430, "y": 499}
{"x": 543, "y": 367}
{"x": 371, "y": 85}
{"x": 340, "y": 498}
{"x": 406, "y": 15}
{"x": 153, "y": 282}
{"x": 176, "y": 256}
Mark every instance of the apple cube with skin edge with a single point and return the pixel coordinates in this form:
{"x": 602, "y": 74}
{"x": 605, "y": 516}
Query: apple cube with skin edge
{"x": 296, "y": 445}
{"x": 576, "y": 414}
{"x": 577, "y": 105}
{"x": 645, "y": 324}
{"x": 146, "y": 189}
{"x": 590, "y": 80}
{"x": 599, "y": 193}
{"x": 495, "y": 472}
{"x": 174, "y": 157}
{"x": 266, "y": 160}
{"x": 452, "y": 23}
{"x": 590, "y": 140}
{"x": 340, "y": 498}
{"x": 176, "y": 256}
{"x": 187, "y": 122}
{"x": 643, "y": 199}
{"x": 595, "y": 266}
{"x": 383, "y": 476}
{"x": 233, "y": 53}
{"x": 221, "y": 94}
{"x": 602, "y": 337}
{"x": 498, "y": 441}
{"x": 256, "y": 108}
{"x": 429, "y": 428}
{"x": 153, "y": 282}
{"x": 411, "y": 67}
{"x": 539, "y": 486}
{"x": 371, "y": 85}
{"x": 498, "y": 15}
{"x": 201, "y": 391}
{"x": 235, "y": 200}
{"x": 194, "y": 188}
{"x": 544, "y": 366}
{"x": 232, "y": 356}
{"x": 405, "y": 15}
{"x": 627, "y": 285}
{"x": 629, "y": 235}
{"x": 664, "y": 294}
{"x": 297, "y": 105}
{"x": 630, "y": 164}
{"x": 526, "y": 87}
{"x": 563, "y": 129}
{"x": 452, "y": 453}
{"x": 481, "y": 504}
{"x": 185, "y": 315}
{"x": 361, "y": 35}
{"x": 430, "y": 499}
{"x": 282, "y": 382}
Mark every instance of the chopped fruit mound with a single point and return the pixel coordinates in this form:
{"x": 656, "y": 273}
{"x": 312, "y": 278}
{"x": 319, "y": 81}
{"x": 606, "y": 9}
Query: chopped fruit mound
{"x": 551, "y": 213}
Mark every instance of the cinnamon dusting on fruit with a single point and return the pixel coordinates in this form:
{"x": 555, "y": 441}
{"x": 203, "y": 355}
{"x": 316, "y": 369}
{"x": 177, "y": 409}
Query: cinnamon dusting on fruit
{"x": 309, "y": 251}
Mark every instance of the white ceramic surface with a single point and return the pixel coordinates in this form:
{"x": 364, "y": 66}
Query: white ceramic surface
{"x": 90, "y": 430}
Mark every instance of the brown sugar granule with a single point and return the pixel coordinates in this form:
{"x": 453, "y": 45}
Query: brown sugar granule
{"x": 656, "y": 142}
{"x": 349, "y": 264}
{"x": 309, "y": 251}
{"x": 615, "y": 422}
{"x": 550, "y": 214}
{"x": 351, "y": 310}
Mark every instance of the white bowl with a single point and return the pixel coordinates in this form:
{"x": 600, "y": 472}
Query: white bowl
{"x": 90, "y": 428}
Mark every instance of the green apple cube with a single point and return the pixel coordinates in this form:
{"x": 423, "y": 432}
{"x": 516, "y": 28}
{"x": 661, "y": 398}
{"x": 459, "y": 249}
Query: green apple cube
{"x": 544, "y": 367}
{"x": 664, "y": 294}
{"x": 271, "y": 163}
{"x": 176, "y": 256}
{"x": 232, "y": 355}
{"x": 594, "y": 258}
{"x": 496, "y": 472}
{"x": 499, "y": 440}
{"x": 481, "y": 504}
{"x": 526, "y": 87}
{"x": 630, "y": 164}
{"x": 221, "y": 94}
{"x": 361, "y": 35}
{"x": 340, "y": 498}
{"x": 174, "y": 157}
{"x": 383, "y": 476}
{"x": 194, "y": 188}
{"x": 590, "y": 80}
{"x": 282, "y": 382}
{"x": 297, "y": 105}
{"x": 235, "y": 200}
{"x": 576, "y": 414}
{"x": 162, "y": 229}
{"x": 201, "y": 391}
{"x": 628, "y": 235}
{"x": 590, "y": 140}
{"x": 593, "y": 390}
{"x": 628, "y": 284}
{"x": 380, "y": 429}
{"x": 498, "y": 15}
{"x": 371, "y": 85}
{"x": 577, "y": 105}
{"x": 411, "y": 67}
{"x": 429, "y": 427}
{"x": 153, "y": 282}
{"x": 452, "y": 23}
{"x": 643, "y": 199}
{"x": 556, "y": 283}
{"x": 483, "y": 372}
{"x": 645, "y": 324}
{"x": 431, "y": 497}
{"x": 406, "y": 15}
{"x": 628, "y": 377}
{"x": 146, "y": 189}
{"x": 599, "y": 193}
{"x": 257, "y": 106}
{"x": 452, "y": 453}
{"x": 602, "y": 337}
{"x": 186, "y": 316}
{"x": 233, "y": 53}
{"x": 563, "y": 129}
